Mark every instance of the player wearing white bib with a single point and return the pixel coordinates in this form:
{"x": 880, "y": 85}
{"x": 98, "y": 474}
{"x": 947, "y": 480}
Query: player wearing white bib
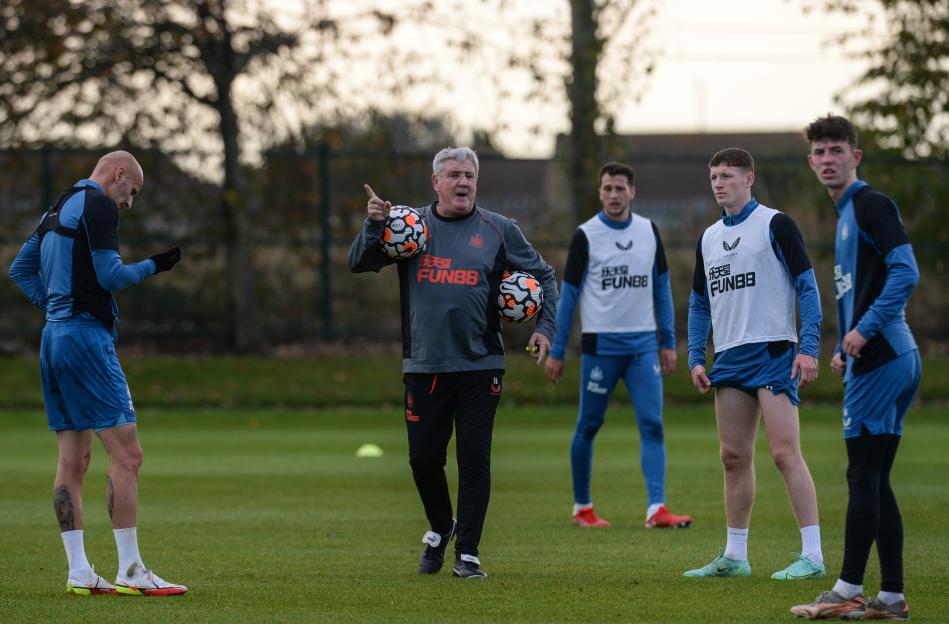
{"x": 616, "y": 270}
{"x": 748, "y": 268}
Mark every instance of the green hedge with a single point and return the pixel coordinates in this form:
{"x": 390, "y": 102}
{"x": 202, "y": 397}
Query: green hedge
{"x": 369, "y": 380}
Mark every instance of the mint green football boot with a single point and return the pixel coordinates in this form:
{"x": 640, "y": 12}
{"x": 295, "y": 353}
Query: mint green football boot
{"x": 801, "y": 569}
{"x": 722, "y": 566}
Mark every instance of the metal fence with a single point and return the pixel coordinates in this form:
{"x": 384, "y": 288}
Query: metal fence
{"x": 305, "y": 208}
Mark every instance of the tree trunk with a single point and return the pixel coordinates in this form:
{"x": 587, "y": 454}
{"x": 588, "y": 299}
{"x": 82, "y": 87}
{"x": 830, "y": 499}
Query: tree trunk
{"x": 244, "y": 319}
{"x": 584, "y": 57}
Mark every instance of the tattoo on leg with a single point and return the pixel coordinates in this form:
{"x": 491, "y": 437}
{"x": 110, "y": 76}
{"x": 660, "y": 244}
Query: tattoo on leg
{"x": 109, "y": 495}
{"x": 65, "y": 512}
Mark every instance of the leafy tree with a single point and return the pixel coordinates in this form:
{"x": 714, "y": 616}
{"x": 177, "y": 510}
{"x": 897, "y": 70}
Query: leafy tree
{"x": 902, "y": 100}
{"x": 215, "y": 81}
{"x": 197, "y": 78}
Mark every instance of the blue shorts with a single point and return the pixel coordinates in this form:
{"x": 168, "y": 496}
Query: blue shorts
{"x": 83, "y": 384}
{"x": 879, "y": 399}
{"x": 759, "y": 371}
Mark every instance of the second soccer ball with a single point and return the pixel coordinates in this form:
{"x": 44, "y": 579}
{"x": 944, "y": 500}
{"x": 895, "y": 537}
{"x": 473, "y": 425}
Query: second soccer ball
{"x": 520, "y": 297}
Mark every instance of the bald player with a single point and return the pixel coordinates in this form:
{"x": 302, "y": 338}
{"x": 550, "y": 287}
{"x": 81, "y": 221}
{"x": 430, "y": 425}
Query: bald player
{"x": 69, "y": 268}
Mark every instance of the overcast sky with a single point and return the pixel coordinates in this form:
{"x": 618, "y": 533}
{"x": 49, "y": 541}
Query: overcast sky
{"x": 751, "y": 65}
{"x": 745, "y": 65}
{"x": 742, "y": 64}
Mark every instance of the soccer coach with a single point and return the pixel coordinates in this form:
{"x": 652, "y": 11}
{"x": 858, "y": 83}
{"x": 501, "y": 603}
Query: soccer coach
{"x": 452, "y": 353}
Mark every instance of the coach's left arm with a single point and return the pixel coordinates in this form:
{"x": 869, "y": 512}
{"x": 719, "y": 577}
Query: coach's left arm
{"x": 521, "y": 256}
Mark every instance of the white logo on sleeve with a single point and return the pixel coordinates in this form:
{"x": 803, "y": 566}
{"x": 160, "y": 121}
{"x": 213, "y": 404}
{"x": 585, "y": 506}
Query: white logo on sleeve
{"x": 846, "y": 419}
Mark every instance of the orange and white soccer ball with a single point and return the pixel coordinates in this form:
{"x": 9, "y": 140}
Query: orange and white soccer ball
{"x": 520, "y": 297}
{"x": 405, "y": 233}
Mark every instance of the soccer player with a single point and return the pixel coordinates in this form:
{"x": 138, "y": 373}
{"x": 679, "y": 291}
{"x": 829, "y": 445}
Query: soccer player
{"x": 748, "y": 267}
{"x": 874, "y": 273}
{"x": 616, "y": 270}
{"x": 452, "y": 354}
{"x": 69, "y": 268}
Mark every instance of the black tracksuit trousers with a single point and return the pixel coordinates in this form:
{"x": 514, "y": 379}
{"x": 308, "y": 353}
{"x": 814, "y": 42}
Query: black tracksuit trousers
{"x": 872, "y": 512}
{"x": 434, "y": 404}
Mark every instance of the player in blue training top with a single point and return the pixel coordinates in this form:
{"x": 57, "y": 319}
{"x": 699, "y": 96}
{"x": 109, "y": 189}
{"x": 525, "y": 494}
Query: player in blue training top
{"x": 69, "y": 268}
{"x": 874, "y": 273}
{"x": 616, "y": 270}
{"x": 748, "y": 267}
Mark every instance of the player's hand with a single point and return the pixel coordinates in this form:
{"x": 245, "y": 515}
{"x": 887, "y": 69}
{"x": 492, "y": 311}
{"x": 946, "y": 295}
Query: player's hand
{"x": 538, "y": 346}
{"x": 667, "y": 361}
{"x": 166, "y": 259}
{"x": 699, "y": 379}
{"x": 852, "y": 343}
{"x": 837, "y": 364}
{"x": 377, "y": 208}
{"x": 806, "y": 365}
{"x": 553, "y": 369}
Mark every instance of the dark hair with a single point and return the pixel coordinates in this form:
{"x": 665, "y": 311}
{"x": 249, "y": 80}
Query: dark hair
{"x": 833, "y": 128}
{"x": 733, "y": 157}
{"x": 616, "y": 168}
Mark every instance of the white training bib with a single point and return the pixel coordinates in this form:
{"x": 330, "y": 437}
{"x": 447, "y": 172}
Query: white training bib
{"x": 617, "y": 288}
{"x": 749, "y": 288}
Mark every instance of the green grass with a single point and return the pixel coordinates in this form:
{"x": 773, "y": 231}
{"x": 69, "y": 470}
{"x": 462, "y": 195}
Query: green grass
{"x": 269, "y": 517}
{"x": 365, "y": 379}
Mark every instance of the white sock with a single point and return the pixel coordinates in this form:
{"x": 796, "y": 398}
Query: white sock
{"x": 890, "y": 598}
{"x": 653, "y": 509}
{"x": 577, "y": 507}
{"x": 845, "y": 589}
{"x": 126, "y": 540}
{"x": 737, "y": 545}
{"x": 810, "y": 544}
{"x": 79, "y": 567}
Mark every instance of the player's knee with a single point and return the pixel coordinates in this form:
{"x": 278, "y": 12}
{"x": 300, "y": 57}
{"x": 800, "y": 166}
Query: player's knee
{"x": 786, "y": 459}
{"x": 651, "y": 430}
{"x": 588, "y": 429}
{"x": 861, "y": 479}
{"x": 734, "y": 460}
{"x": 130, "y": 460}
{"x": 75, "y": 464}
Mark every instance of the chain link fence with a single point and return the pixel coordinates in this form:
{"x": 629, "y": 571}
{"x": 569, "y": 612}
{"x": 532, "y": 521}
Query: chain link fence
{"x": 305, "y": 208}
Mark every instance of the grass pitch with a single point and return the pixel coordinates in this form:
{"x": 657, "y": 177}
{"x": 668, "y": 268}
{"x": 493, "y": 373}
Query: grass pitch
{"x": 268, "y": 516}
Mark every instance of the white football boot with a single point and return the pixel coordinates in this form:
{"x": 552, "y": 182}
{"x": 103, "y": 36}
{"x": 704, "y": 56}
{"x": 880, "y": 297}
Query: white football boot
{"x": 92, "y": 584}
{"x": 140, "y": 581}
